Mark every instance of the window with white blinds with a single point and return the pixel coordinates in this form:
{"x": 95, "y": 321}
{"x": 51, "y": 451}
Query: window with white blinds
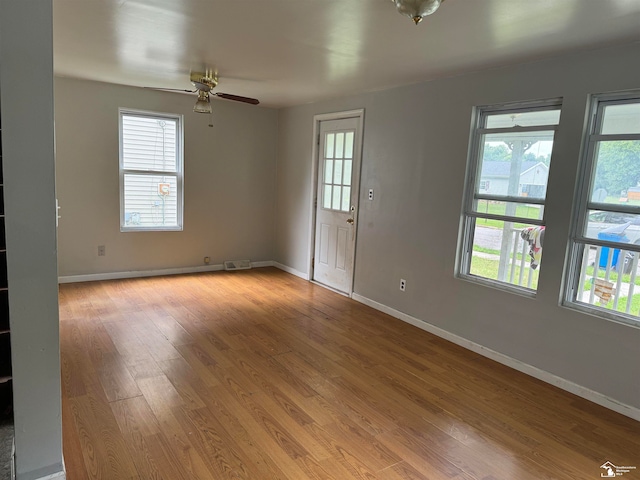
{"x": 151, "y": 181}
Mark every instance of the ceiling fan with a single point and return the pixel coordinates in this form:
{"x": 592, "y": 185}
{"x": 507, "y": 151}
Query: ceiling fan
{"x": 204, "y": 83}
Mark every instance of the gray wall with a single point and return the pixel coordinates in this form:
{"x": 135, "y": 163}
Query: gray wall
{"x": 414, "y": 156}
{"x": 229, "y": 182}
{"x": 26, "y": 79}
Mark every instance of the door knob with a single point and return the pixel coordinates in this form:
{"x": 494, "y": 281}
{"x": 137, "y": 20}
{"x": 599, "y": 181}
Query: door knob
{"x": 350, "y": 221}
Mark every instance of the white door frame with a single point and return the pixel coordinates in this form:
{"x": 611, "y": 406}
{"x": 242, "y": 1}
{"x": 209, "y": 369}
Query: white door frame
{"x": 317, "y": 119}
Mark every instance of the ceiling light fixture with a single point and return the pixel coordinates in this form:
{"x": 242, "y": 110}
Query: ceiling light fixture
{"x": 416, "y": 10}
{"x": 203, "y": 105}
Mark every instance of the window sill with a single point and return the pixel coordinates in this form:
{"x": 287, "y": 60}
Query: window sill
{"x": 602, "y": 313}
{"x": 150, "y": 229}
{"x": 505, "y": 287}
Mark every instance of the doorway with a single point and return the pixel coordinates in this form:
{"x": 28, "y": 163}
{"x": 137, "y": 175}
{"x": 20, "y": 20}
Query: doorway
{"x": 337, "y": 162}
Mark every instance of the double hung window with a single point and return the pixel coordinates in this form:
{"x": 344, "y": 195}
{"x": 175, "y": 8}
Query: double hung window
{"x": 151, "y": 177}
{"x": 503, "y": 217}
{"x": 603, "y": 264}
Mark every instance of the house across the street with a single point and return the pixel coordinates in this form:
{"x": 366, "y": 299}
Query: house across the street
{"x": 494, "y": 178}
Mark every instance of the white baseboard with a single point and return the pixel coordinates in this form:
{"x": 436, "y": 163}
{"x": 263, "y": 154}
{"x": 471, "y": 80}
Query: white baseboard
{"x": 54, "y": 476}
{"x": 92, "y": 277}
{"x": 41, "y": 474}
{"x": 535, "y": 372}
{"x": 266, "y": 263}
{"x": 290, "y": 270}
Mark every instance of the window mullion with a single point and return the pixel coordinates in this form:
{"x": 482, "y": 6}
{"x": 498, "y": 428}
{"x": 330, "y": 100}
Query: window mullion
{"x": 506, "y": 218}
{"x": 518, "y": 129}
{"x": 613, "y": 207}
{"x": 500, "y": 198}
{"x": 615, "y": 137}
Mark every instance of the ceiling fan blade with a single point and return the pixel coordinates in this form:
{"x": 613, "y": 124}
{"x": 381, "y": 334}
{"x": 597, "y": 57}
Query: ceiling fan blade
{"x": 172, "y": 89}
{"x": 237, "y": 98}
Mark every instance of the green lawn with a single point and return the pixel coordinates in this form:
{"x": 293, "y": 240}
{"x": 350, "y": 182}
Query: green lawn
{"x": 622, "y": 305}
{"x": 613, "y": 276}
{"x": 488, "y": 268}
{"x": 494, "y": 208}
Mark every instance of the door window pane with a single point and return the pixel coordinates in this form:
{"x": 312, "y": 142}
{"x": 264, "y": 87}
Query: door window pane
{"x": 346, "y": 199}
{"x": 337, "y": 172}
{"x": 346, "y": 180}
{"x": 328, "y": 171}
{"x": 328, "y": 148}
{"x": 340, "y": 145}
{"x": 348, "y": 145}
{"x": 337, "y": 192}
{"x": 326, "y": 200}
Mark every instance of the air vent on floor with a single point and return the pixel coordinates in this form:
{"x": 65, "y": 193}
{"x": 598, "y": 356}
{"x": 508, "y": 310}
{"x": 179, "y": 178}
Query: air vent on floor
{"x": 237, "y": 265}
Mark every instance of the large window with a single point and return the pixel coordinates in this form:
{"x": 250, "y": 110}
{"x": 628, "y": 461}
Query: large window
{"x": 151, "y": 178}
{"x": 503, "y": 219}
{"x": 603, "y": 262}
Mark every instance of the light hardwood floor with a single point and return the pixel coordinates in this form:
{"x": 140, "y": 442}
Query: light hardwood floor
{"x": 260, "y": 375}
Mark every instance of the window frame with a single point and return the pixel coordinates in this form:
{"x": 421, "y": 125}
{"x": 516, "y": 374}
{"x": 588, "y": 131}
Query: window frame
{"x": 582, "y": 204}
{"x": 472, "y": 182}
{"x": 179, "y": 173}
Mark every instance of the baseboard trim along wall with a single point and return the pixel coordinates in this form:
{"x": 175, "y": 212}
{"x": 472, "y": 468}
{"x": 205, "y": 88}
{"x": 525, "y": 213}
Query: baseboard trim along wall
{"x": 92, "y": 277}
{"x": 292, "y": 271}
{"x": 41, "y": 474}
{"x": 535, "y": 372}
{"x": 54, "y": 476}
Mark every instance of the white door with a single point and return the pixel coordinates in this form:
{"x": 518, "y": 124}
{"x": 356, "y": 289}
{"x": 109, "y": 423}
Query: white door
{"x": 337, "y": 202}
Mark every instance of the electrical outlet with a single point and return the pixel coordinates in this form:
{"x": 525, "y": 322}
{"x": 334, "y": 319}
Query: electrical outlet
{"x": 207, "y": 260}
{"x": 371, "y": 194}
{"x": 101, "y": 251}
{"x": 403, "y": 284}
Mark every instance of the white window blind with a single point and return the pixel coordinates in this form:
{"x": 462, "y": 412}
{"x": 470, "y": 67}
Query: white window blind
{"x": 150, "y": 171}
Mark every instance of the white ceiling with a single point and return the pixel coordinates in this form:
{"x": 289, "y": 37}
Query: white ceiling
{"x": 288, "y": 52}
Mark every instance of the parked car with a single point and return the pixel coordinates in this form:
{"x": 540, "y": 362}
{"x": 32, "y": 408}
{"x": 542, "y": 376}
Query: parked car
{"x": 628, "y": 226}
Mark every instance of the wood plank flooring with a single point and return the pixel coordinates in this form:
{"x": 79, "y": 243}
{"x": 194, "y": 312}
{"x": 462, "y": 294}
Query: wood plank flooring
{"x": 260, "y": 375}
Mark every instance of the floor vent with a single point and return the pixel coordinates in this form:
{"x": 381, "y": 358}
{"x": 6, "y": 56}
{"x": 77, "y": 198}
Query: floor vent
{"x": 237, "y": 265}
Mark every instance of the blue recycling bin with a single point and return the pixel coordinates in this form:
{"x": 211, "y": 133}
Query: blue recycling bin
{"x": 604, "y": 254}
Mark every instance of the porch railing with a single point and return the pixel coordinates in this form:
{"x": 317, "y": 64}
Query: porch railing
{"x": 608, "y": 278}
{"x": 521, "y": 247}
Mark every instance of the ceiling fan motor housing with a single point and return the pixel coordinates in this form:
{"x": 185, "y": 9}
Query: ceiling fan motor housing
{"x": 204, "y": 81}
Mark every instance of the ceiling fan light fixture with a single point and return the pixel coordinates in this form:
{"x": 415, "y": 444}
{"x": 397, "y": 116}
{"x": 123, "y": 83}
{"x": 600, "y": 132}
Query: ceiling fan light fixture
{"x": 417, "y": 9}
{"x": 203, "y": 105}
